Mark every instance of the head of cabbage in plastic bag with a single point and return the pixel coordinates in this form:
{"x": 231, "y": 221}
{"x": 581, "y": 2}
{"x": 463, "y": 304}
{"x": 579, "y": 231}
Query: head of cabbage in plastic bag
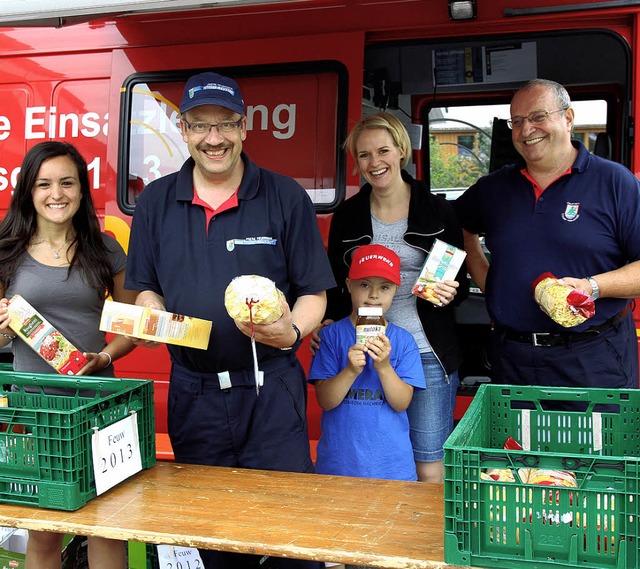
{"x": 252, "y": 298}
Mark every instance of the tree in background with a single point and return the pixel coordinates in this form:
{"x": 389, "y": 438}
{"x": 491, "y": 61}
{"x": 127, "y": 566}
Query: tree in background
{"x": 460, "y": 170}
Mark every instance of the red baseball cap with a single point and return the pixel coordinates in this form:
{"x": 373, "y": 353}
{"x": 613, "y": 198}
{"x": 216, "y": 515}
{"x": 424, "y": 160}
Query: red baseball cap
{"x": 375, "y": 261}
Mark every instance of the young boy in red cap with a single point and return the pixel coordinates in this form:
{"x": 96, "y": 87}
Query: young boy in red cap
{"x": 364, "y": 389}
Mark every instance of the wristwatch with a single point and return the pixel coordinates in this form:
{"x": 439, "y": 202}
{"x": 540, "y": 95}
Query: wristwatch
{"x": 298, "y": 336}
{"x": 595, "y": 289}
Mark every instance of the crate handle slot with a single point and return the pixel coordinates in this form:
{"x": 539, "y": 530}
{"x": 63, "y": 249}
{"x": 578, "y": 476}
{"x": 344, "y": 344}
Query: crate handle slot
{"x": 527, "y": 459}
{"x": 573, "y": 463}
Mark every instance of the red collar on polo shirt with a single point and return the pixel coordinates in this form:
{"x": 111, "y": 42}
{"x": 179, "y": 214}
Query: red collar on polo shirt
{"x": 231, "y": 202}
{"x": 536, "y": 187}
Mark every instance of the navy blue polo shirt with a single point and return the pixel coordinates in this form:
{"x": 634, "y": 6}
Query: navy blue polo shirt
{"x": 585, "y": 223}
{"x": 273, "y": 233}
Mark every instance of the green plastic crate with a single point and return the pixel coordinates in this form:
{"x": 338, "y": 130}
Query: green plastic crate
{"x": 45, "y": 440}
{"x": 153, "y": 561}
{"x": 10, "y": 560}
{"x": 516, "y": 525}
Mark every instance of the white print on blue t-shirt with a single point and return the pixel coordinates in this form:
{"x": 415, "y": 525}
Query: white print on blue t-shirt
{"x": 571, "y": 212}
{"x": 231, "y": 243}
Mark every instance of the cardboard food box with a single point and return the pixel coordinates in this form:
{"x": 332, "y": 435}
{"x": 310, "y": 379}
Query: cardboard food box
{"x": 43, "y": 338}
{"x": 442, "y": 264}
{"x": 155, "y": 325}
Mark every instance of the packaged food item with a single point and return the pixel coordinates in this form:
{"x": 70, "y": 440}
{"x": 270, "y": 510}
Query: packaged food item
{"x": 43, "y": 338}
{"x": 497, "y": 474}
{"x": 562, "y": 303}
{"x": 370, "y": 323}
{"x": 252, "y": 298}
{"x": 540, "y": 476}
{"x": 546, "y": 477}
{"x": 442, "y": 264}
{"x": 155, "y": 325}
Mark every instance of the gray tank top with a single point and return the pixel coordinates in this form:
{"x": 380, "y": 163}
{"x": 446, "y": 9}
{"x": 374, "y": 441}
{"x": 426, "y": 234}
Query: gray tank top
{"x": 403, "y": 311}
{"x": 70, "y": 305}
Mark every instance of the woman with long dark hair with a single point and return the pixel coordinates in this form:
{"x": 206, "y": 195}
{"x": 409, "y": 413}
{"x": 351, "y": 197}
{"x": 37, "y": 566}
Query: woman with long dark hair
{"x": 53, "y": 253}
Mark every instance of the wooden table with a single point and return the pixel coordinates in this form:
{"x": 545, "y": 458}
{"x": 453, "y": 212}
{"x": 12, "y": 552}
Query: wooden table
{"x": 378, "y": 523}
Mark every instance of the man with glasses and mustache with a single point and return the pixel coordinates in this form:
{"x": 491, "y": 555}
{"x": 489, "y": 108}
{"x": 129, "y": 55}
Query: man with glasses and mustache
{"x": 562, "y": 210}
{"x": 193, "y": 231}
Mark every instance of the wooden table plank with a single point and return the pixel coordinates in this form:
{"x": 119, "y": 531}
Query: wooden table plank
{"x": 378, "y": 523}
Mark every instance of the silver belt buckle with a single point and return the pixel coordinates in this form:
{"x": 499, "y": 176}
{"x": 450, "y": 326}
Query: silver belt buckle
{"x": 224, "y": 380}
{"x": 534, "y": 338}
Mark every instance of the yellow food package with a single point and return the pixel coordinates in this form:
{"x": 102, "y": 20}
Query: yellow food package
{"x": 546, "y": 477}
{"x": 563, "y": 304}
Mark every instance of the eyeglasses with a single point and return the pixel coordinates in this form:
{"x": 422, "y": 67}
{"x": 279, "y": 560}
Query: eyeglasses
{"x": 536, "y": 117}
{"x": 221, "y": 127}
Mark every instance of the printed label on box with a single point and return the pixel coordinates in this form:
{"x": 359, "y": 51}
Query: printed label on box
{"x": 442, "y": 264}
{"x": 43, "y": 338}
{"x": 155, "y": 325}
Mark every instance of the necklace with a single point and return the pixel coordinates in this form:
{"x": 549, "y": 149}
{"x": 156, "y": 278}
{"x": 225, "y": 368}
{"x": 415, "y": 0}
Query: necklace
{"x": 55, "y": 252}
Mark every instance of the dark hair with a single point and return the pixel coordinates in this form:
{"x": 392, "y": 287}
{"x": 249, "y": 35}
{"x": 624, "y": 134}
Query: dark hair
{"x": 20, "y": 224}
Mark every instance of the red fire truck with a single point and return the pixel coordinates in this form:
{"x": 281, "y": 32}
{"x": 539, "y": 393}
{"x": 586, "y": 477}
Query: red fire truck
{"x": 107, "y": 76}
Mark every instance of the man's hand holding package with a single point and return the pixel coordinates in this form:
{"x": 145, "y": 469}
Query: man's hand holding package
{"x": 154, "y": 301}
{"x": 278, "y": 334}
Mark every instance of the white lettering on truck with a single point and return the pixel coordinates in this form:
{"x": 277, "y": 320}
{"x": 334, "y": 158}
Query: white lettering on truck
{"x": 5, "y": 128}
{"x": 286, "y": 128}
{"x": 65, "y": 125}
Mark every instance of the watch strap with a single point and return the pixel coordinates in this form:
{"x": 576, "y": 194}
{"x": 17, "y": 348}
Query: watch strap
{"x": 298, "y": 333}
{"x": 595, "y": 289}
{"x": 298, "y": 336}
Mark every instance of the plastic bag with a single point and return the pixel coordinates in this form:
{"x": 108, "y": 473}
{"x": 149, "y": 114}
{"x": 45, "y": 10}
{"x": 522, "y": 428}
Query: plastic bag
{"x": 563, "y": 304}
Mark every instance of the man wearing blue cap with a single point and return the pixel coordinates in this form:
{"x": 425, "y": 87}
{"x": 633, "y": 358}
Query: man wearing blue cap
{"x": 193, "y": 231}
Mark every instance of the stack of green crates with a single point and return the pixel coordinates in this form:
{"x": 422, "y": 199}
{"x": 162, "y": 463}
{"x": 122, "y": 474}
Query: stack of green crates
{"x": 45, "y": 439}
{"x": 595, "y": 525}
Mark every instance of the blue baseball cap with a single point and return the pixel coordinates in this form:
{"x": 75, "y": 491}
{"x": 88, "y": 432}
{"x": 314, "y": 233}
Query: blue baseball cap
{"x": 212, "y": 89}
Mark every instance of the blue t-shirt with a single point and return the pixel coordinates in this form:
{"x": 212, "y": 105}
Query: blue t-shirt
{"x": 364, "y": 436}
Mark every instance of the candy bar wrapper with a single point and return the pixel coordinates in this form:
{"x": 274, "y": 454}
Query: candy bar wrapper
{"x": 562, "y": 303}
{"x": 43, "y": 338}
{"x": 442, "y": 264}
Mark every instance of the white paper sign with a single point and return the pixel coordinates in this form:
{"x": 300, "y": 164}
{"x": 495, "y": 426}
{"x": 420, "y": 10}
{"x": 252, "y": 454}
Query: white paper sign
{"x": 116, "y": 453}
{"x": 174, "y": 557}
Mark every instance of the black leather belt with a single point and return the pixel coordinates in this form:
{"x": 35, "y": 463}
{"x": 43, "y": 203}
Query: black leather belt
{"x": 549, "y": 339}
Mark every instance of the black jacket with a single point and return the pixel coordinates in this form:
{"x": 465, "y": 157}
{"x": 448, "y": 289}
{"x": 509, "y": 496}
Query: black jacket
{"x": 430, "y": 217}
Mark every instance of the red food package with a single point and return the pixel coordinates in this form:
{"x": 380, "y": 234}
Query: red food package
{"x": 512, "y": 444}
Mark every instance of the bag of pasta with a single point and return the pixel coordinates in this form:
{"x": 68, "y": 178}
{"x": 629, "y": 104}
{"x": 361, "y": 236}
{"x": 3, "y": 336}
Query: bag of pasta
{"x": 562, "y": 303}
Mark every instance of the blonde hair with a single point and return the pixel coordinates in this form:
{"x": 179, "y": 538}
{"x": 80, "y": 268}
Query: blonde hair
{"x": 385, "y": 121}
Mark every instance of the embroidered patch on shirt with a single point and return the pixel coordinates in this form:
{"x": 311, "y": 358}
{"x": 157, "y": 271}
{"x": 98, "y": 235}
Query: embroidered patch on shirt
{"x": 231, "y": 243}
{"x": 571, "y": 212}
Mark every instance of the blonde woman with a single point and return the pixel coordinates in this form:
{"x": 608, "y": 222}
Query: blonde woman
{"x": 395, "y": 210}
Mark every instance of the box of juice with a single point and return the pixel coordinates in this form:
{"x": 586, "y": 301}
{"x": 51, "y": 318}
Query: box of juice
{"x": 43, "y": 338}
